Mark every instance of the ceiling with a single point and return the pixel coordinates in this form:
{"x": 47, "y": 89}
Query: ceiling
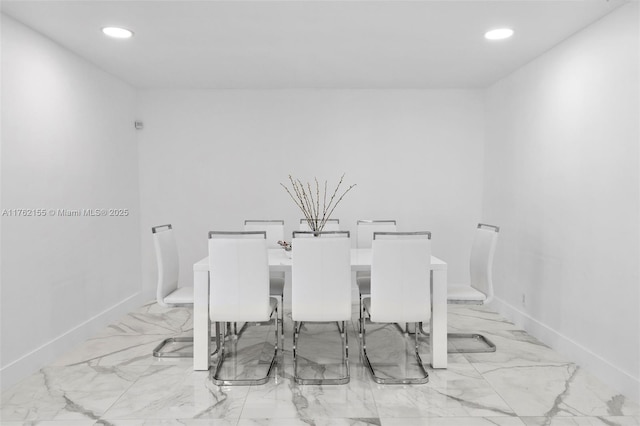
{"x": 309, "y": 44}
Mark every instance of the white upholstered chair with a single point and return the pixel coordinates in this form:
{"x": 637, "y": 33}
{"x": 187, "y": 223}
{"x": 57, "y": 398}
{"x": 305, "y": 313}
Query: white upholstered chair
{"x": 479, "y": 291}
{"x": 366, "y": 228}
{"x": 364, "y": 231}
{"x": 275, "y": 233}
{"x": 321, "y": 290}
{"x": 273, "y": 228}
{"x": 400, "y": 290}
{"x": 168, "y": 293}
{"x": 329, "y": 226}
{"x": 239, "y": 289}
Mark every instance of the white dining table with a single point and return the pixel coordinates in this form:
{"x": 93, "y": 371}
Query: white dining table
{"x": 279, "y": 260}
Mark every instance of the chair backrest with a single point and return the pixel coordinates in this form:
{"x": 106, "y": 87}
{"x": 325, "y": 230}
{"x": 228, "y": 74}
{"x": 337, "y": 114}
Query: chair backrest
{"x": 330, "y": 225}
{"x": 321, "y": 277}
{"x": 366, "y": 228}
{"x": 273, "y": 228}
{"x": 401, "y": 277}
{"x": 323, "y": 234}
{"x": 481, "y": 264}
{"x": 238, "y": 276}
{"x": 167, "y": 259}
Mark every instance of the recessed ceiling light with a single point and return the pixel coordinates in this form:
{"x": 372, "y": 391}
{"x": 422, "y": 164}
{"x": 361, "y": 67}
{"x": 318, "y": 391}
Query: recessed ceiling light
{"x": 498, "y": 34}
{"x": 117, "y": 32}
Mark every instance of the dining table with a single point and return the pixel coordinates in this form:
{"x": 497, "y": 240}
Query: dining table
{"x": 280, "y": 260}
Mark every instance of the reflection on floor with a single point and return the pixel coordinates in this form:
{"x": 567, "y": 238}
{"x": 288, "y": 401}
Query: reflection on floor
{"x": 112, "y": 379}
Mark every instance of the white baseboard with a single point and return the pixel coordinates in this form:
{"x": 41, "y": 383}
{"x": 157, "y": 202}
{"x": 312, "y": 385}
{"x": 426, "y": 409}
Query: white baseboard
{"x": 608, "y": 373}
{"x": 48, "y": 352}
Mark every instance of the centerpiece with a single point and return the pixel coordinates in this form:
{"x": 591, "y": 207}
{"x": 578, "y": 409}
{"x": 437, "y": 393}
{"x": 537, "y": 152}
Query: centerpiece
{"x": 316, "y": 211}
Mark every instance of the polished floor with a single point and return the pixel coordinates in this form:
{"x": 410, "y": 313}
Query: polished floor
{"x": 112, "y": 379}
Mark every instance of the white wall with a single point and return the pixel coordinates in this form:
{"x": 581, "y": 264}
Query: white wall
{"x": 68, "y": 142}
{"x": 562, "y": 179}
{"x": 210, "y": 159}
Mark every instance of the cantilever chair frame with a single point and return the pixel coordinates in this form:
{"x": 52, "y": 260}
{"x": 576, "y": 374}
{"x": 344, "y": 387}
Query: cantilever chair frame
{"x": 157, "y": 351}
{"x": 418, "y": 329}
{"x": 345, "y": 358}
{"x": 276, "y": 221}
{"x": 343, "y": 331}
{"x": 489, "y": 346}
{"x": 368, "y": 222}
{"x": 227, "y": 326}
{"x": 321, "y": 233}
{"x": 281, "y": 295}
{"x": 365, "y": 221}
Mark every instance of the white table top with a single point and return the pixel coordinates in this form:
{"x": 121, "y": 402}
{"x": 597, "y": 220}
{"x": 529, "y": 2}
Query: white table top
{"x": 279, "y": 260}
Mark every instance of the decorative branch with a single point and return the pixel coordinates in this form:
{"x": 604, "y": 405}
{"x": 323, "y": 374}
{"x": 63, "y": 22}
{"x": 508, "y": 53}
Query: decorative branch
{"x": 310, "y": 205}
{"x": 317, "y": 197}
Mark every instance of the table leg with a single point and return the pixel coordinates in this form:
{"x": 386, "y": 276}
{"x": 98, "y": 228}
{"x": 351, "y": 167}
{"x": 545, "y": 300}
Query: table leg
{"x": 438, "y": 326}
{"x": 201, "y": 323}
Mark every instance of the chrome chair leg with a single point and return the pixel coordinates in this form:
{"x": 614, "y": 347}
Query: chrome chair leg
{"x": 345, "y": 359}
{"x": 346, "y": 348}
{"x": 394, "y": 381}
{"x": 489, "y": 345}
{"x": 157, "y": 351}
{"x": 360, "y": 310}
{"x": 296, "y": 332}
{"x": 282, "y": 319}
{"x": 215, "y": 376}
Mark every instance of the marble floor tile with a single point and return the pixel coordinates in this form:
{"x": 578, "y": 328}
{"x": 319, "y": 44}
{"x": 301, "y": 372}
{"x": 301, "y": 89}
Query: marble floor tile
{"x": 458, "y": 373}
{"x": 516, "y": 348}
{"x": 131, "y": 339}
{"x": 177, "y": 392}
{"x": 475, "y": 318}
{"x": 287, "y": 400}
{"x": 392, "y": 354}
{"x": 50, "y": 423}
{"x": 453, "y": 421}
{"x": 112, "y": 351}
{"x": 307, "y": 422}
{"x": 113, "y": 379}
{"x": 67, "y": 393}
{"x": 320, "y": 351}
{"x": 169, "y": 422}
{"x": 582, "y": 421}
{"x": 476, "y": 398}
{"x": 555, "y": 390}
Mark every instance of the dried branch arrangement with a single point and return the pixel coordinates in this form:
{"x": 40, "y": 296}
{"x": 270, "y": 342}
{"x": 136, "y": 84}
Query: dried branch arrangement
{"x": 310, "y": 203}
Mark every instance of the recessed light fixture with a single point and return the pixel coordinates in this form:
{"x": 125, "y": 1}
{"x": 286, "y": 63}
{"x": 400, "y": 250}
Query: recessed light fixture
{"x": 117, "y": 32}
{"x": 498, "y": 34}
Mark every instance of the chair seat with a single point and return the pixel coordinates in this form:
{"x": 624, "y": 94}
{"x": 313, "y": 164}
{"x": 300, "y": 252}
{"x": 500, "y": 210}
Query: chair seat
{"x": 363, "y": 279}
{"x": 180, "y": 296}
{"x": 276, "y": 286}
{"x": 460, "y": 293}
